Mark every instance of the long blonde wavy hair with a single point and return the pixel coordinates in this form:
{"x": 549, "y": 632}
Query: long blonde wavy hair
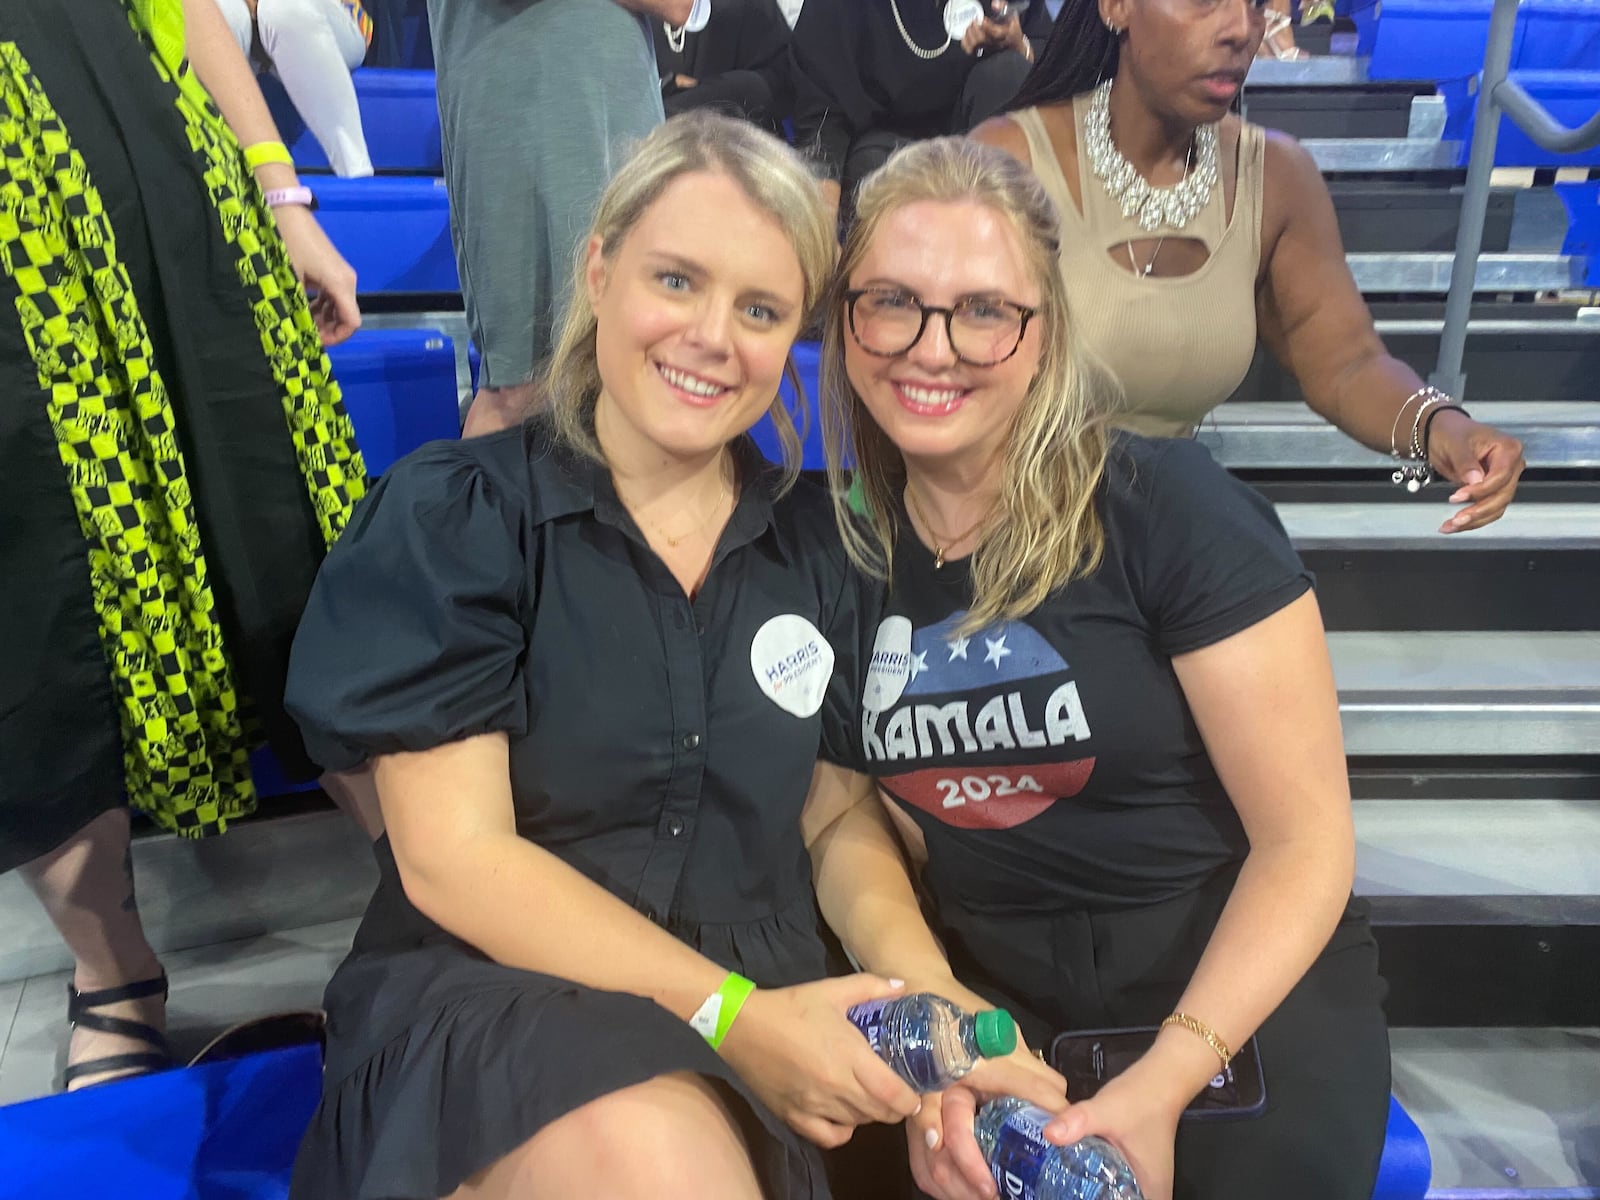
{"x": 1046, "y": 530}
{"x": 776, "y": 181}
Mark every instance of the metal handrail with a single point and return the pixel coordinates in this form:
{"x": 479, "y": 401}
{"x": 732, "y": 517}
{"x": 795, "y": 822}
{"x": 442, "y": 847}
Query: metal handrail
{"x": 1496, "y": 95}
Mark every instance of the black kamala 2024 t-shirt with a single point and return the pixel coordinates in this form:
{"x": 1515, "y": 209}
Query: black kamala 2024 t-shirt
{"x": 1052, "y": 761}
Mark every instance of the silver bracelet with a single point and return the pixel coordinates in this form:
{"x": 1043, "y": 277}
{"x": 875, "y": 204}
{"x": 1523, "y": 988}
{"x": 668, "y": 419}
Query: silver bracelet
{"x": 1414, "y": 472}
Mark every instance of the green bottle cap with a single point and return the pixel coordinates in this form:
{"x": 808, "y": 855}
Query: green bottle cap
{"x": 996, "y": 1032}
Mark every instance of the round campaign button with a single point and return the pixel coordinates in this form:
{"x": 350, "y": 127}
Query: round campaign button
{"x": 959, "y": 16}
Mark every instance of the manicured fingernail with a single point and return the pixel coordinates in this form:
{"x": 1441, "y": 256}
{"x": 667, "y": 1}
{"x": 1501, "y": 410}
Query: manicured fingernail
{"x": 1458, "y": 497}
{"x": 932, "y": 1138}
{"x": 917, "y": 1109}
{"x": 1473, "y": 477}
{"x": 897, "y": 983}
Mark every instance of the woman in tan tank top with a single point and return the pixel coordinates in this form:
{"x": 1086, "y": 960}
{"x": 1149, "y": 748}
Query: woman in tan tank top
{"x": 1189, "y": 234}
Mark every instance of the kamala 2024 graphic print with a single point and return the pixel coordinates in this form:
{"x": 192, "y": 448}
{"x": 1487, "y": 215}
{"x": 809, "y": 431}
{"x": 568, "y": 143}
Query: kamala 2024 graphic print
{"x": 995, "y": 708}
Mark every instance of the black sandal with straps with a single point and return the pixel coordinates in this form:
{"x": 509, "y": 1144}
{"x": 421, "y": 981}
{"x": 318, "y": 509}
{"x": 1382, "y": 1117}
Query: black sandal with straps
{"x": 148, "y": 1062}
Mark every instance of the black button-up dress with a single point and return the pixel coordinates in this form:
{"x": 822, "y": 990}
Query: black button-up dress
{"x": 659, "y": 745}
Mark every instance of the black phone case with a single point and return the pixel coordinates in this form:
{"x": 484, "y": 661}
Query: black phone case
{"x": 1205, "y": 1106}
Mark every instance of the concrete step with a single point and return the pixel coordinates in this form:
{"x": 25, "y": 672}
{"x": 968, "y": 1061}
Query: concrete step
{"x": 1334, "y": 71}
{"x": 1509, "y": 1114}
{"x": 1380, "y": 561}
{"x": 1477, "y": 848}
{"x": 1471, "y": 694}
{"x": 1414, "y": 528}
{"x": 1538, "y": 352}
{"x": 1430, "y": 272}
{"x": 1372, "y": 156}
{"x": 1262, "y": 435}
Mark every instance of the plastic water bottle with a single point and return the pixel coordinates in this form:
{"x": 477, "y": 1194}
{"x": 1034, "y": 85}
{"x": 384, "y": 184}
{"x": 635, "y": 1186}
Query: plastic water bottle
{"x": 931, "y": 1042}
{"x": 1026, "y": 1167}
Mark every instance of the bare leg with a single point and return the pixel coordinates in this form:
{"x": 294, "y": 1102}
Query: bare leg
{"x": 494, "y": 409}
{"x": 86, "y": 887}
{"x": 357, "y": 797}
{"x": 671, "y": 1138}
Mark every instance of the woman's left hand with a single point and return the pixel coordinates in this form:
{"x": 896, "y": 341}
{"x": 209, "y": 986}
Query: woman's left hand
{"x": 327, "y": 278}
{"x": 1136, "y": 1115}
{"x": 1484, "y": 461}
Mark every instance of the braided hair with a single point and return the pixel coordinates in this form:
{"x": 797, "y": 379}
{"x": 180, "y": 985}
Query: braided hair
{"x": 1080, "y": 53}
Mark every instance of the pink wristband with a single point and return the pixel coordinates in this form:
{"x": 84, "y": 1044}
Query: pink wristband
{"x": 278, "y": 197}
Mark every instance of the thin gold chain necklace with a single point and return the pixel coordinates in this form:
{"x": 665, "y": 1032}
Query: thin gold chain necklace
{"x": 674, "y": 541}
{"x": 938, "y": 543}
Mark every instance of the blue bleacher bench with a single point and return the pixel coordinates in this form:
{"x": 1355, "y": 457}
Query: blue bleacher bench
{"x": 399, "y": 116}
{"x": 223, "y": 1131}
{"x": 229, "y": 1131}
{"x": 394, "y": 231}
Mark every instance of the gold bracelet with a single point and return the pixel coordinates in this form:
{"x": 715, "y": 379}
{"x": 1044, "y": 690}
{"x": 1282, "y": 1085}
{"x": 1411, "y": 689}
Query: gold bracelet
{"x": 262, "y": 153}
{"x": 1204, "y": 1032}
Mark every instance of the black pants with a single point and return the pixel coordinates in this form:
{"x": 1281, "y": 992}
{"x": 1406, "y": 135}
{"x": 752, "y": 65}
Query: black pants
{"x": 1324, "y": 1052}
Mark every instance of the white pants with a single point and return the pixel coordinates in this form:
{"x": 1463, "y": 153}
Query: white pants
{"x": 312, "y": 45}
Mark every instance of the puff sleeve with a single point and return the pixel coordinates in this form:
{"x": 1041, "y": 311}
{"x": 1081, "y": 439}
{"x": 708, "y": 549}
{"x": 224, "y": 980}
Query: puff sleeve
{"x": 414, "y": 633}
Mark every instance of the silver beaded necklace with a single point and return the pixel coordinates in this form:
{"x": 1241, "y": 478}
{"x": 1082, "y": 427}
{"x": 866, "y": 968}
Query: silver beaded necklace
{"x": 1154, "y": 207}
{"x": 919, "y": 51}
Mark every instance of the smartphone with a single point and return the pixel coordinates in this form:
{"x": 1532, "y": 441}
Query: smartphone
{"x": 1089, "y": 1058}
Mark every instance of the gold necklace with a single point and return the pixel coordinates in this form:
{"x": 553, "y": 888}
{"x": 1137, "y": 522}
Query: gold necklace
{"x": 938, "y": 545}
{"x": 675, "y": 541}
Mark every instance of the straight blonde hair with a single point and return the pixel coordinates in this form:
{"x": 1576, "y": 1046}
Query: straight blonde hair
{"x": 1046, "y": 530}
{"x": 775, "y": 180}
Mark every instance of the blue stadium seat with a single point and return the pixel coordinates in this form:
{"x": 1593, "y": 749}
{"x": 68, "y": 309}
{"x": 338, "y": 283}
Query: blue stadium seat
{"x": 400, "y": 388}
{"x": 1406, "y": 1168}
{"x": 399, "y": 116}
{"x": 1571, "y": 96}
{"x": 1583, "y": 224}
{"x": 806, "y": 355}
{"x": 395, "y": 232}
{"x": 1445, "y": 39}
{"x": 229, "y": 1131}
{"x": 1559, "y": 35}
{"x": 224, "y": 1131}
{"x": 1431, "y": 39}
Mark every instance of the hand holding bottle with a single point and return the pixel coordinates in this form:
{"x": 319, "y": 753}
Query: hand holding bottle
{"x": 952, "y": 1167}
{"x": 807, "y": 1062}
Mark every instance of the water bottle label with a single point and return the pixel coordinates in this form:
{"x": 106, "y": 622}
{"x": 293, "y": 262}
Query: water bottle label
{"x": 1019, "y": 1153}
{"x": 869, "y": 1018}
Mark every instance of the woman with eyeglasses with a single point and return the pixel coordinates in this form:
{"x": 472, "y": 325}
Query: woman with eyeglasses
{"x": 1099, "y": 708}
{"x": 1189, "y": 234}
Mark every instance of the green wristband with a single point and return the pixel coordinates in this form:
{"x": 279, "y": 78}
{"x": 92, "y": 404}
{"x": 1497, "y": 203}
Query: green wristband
{"x": 716, "y": 1015}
